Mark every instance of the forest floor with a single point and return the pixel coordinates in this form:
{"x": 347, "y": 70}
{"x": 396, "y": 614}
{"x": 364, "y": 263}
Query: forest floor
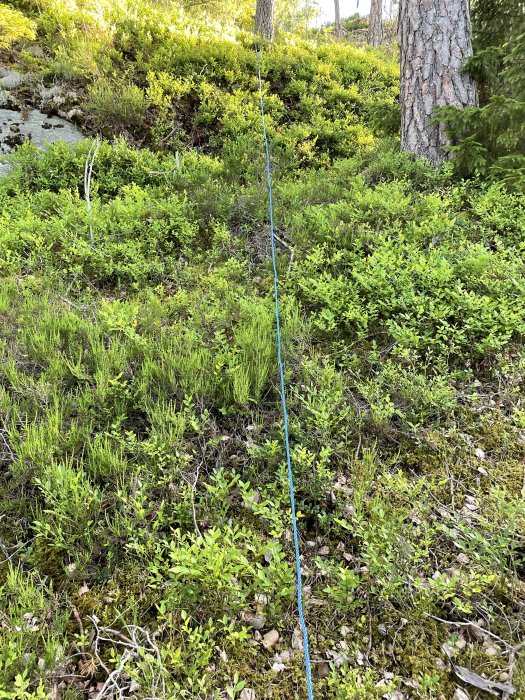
{"x": 145, "y": 523}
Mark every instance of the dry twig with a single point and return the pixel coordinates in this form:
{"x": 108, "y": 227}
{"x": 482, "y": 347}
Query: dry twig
{"x": 138, "y": 645}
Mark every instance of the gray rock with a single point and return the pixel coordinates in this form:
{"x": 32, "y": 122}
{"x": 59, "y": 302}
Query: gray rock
{"x": 270, "y": 639}
{"x": 37, "y": 127}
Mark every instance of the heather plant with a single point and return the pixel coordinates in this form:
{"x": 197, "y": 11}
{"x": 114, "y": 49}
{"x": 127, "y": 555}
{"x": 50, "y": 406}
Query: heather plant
{"x": 14, "y": 26}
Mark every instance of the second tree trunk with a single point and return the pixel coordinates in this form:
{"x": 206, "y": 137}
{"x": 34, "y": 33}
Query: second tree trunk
{"x": 264, "y": 18}
{"x": 338, "y": 27}
{"x": 435, "y": 40}
{"x": 375, "y": 23}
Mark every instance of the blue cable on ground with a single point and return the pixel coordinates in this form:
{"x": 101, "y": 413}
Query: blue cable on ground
{"x": 295, "y": 528}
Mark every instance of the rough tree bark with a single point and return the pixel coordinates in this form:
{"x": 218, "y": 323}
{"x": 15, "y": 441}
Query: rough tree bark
{"x": 264, "y": 19}
{"x": 338, "y": 27}
{"x": 375, "y": 23}
{"x": 435, "y": 38}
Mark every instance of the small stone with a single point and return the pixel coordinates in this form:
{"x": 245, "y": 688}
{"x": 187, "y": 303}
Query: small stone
{"x": 297, "y": 640}
{"x": 460, "y": 643}
{"x": 345, "y": 631}
{"x": 324, "y": 551}
{"x": 248, "y": 694}
{"x": 448, "y": 650}
{"x": 480, "y": 454}
{"x": 471, "y": 506}
{"x": 256, "y": 622}
{"x": 307, "y": 591}
{"x": 461, "y": 694}
{"x": 322, "y": 670}
{"x": 440, "y": 664}
{"x": 492, "y": 649}
{"x": 270, "y": 639}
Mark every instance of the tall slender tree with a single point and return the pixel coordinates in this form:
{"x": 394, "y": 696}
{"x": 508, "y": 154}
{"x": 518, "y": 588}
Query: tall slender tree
{"x": 338, "y": 27}
{"x": 435, "y": 38}
{"x": 265, "y": 19}
{"x": 375, "y": 23}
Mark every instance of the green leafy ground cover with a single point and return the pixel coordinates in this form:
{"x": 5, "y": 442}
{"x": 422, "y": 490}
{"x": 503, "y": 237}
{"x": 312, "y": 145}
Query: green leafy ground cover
{"x": 145, "y": 524}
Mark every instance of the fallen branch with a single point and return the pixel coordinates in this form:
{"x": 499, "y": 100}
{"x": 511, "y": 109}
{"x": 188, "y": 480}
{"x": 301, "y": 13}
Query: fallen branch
{"x": 88, "y": 172}
{"x": 138, "y": 644}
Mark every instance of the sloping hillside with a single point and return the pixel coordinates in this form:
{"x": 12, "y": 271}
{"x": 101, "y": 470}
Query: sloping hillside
{"x": 145, "y": 520}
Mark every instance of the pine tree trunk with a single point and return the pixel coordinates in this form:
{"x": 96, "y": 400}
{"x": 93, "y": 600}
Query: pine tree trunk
{"x": 375, "y": 23}
{"x": 264, "y": 19}
{"x": 435, "y": 38}
{"x": 338, "y": 28}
